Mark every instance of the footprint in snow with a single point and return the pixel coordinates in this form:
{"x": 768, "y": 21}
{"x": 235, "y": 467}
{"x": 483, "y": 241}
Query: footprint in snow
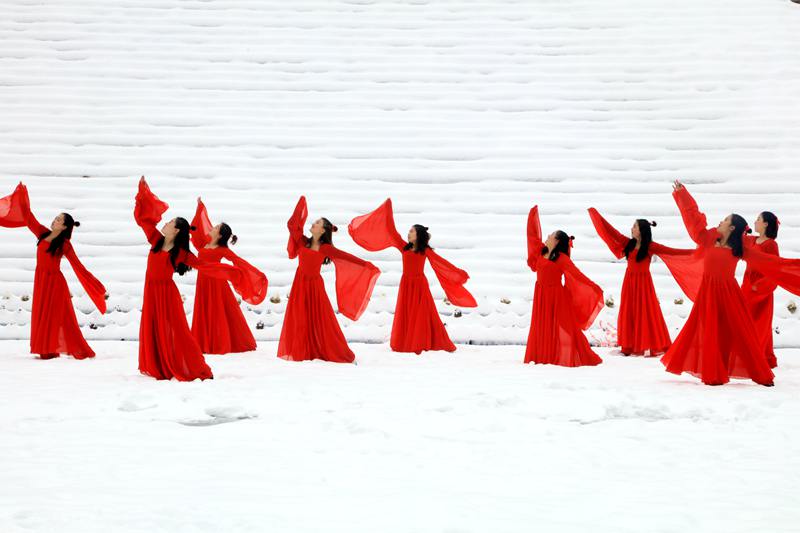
{"x": 220, "y": 415}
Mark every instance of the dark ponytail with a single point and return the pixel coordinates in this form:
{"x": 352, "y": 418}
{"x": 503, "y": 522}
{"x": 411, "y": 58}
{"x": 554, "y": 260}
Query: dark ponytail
{"x": 57, "y": 245}
{"x": 736, "y": 238}
{"x": 645, "y": 238}
{"x": 181, "y": 243}
{"x": 226, "y": 236}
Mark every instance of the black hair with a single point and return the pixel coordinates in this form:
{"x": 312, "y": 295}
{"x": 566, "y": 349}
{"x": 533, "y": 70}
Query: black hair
{"x": 562, "y": 246}
{"x": 325, "y": 238}
{"x": 423, "y": 238}
{"x": 225, "y": 235}
{"x": 736, "y": 238}
{"x": 645, "y": 238}
{"x": 57, "y": 245}
{"x": 181, "y": 243}
{"x": 771, "y": 221}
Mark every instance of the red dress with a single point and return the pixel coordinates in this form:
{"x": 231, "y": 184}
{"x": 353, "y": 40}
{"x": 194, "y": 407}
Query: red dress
{"x": 640, "y": 326}
{"x": 416, "y": 326}
{"x": 167, "y": 348}
{"x": 718, "y": 341}
{"x": 560, "y": 312}
{"x": 218, "y": 323}
{"x": 310, "y": 329}
{"x": 758, "y": 294}
{"x": 54, "y": 326}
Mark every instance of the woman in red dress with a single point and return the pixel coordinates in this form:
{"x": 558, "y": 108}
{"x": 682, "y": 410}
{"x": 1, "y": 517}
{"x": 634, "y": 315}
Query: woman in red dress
{"x": 641, "y": 329}
{"x": 416, "y": 326}
{"x": 167, "y": 348}
{"x": 560, "y": 312}
{"x": 719, "y": 339}
{"x": 217, "y": 322}
{"x": 310, "y": 329}
{"x": 54, "y": 327}
{"x": 758, "y": 289}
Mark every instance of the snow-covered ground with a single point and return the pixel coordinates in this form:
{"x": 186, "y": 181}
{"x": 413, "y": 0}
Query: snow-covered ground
{"x": 466, "y": 113}
{"x": 469, "y": 442}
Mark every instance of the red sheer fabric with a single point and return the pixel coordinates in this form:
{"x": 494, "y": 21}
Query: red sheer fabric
{"x": 218, "y": 323}
{"x": 758, "y": 292}
{"x": 167, "y": 348}
{"x": 560, "y": 312}
{"x": 718, "y": 341}
{"x": 54, "y": 326}
{"x": 310, "y": 329}
{"x": 416, "y": 326}
{"x": 640, "y": 326}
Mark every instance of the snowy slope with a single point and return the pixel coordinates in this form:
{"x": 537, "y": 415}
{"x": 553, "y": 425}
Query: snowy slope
{"x": 465, "y": 113}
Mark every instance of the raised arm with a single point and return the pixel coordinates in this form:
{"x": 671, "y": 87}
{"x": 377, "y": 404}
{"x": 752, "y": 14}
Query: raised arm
{"x": 92, "y": 286}
{"x": 295, "y": 226}
{"x": 148, "y": 212}
{"x": 693, "y": 219}
{"x": 615, "y": 240}
{"x": 663, "y": 251}
{"x": 376, "y": 230}
{"x": 534, "y": 234}
{"x": 252, "y": 284}
{"x": 15, "y": 212}
{"x": 203, "y": 226}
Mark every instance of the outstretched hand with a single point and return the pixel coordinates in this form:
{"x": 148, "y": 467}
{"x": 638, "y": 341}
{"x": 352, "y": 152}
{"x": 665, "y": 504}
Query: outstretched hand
{"x": 677, "y": 185}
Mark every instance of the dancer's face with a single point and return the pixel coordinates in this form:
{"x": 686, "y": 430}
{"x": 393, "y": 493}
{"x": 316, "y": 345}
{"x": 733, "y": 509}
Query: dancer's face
{"x": 551, "y": 241}
{"x": 725, "y": 227}
{"x": 412, "y": 235}
{"x": 58, "y": 223}
{"x": 760, "y": 225}
{"x": 635, "y": 233}
{"x": 169, "y": 229}
{"x": 213, "y": 235}
{"x": 317, "y": 228}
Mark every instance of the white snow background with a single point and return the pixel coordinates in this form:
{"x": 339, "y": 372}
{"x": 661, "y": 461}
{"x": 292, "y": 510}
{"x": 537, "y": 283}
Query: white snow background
{"x": 466, "y": 114}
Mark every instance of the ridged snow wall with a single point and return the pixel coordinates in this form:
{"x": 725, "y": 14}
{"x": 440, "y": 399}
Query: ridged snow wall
{"x": 465, "y": 113}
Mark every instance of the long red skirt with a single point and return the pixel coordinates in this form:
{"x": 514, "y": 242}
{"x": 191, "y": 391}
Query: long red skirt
{"x": 417, "y": 326}
{"x": 218, "y": 324}
{"x": 718, "y": 341}
{"x": 554, "y": 336}
{"x": 640, "y": 326}
{"x": 310, "y": 329}
{"x": 761, "y": 307}
{"x": 167, "y": 348}
{"x": 54, "y": 326}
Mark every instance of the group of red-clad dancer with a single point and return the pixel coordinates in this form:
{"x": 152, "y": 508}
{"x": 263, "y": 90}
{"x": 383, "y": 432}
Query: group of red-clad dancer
{"x": 728, "y": 333}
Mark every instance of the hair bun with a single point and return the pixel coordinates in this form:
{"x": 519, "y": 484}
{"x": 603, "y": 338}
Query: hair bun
{"x": 193, "y": 228}
{"x": 335, "y": 228}
{"x": 234, "y": 239}
{"x": 748, "y": 230}
{"x": 77, "y": 224}
{"x": 653, "y": 223}
{"x": 572, "y": 237}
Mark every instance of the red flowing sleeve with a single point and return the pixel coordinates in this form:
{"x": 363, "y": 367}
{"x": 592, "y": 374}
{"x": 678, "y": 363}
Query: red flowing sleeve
{"x": 586, "y": 295}
{"x": 376, "y": 230}
{"x": 92, "y": 286}
{"x": 615, "y": 240}
{"x": 148, "y": 212}
{"x": 251, "y": 284}
{"x": 295, "y": 225}
{"x": 774, "y": 269}
{"x": 761, "y": 284}
{"x": 452, "y": 280}
{"x": 15, "y": 209}
{"x": 202, "y": 225}
{"x": 685, "y": 265}
{"x": 355, "y": 280}
{"x": 215, "y": 270}
{"x": 693, "y": 219}
{"x": 534, "y": 238}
